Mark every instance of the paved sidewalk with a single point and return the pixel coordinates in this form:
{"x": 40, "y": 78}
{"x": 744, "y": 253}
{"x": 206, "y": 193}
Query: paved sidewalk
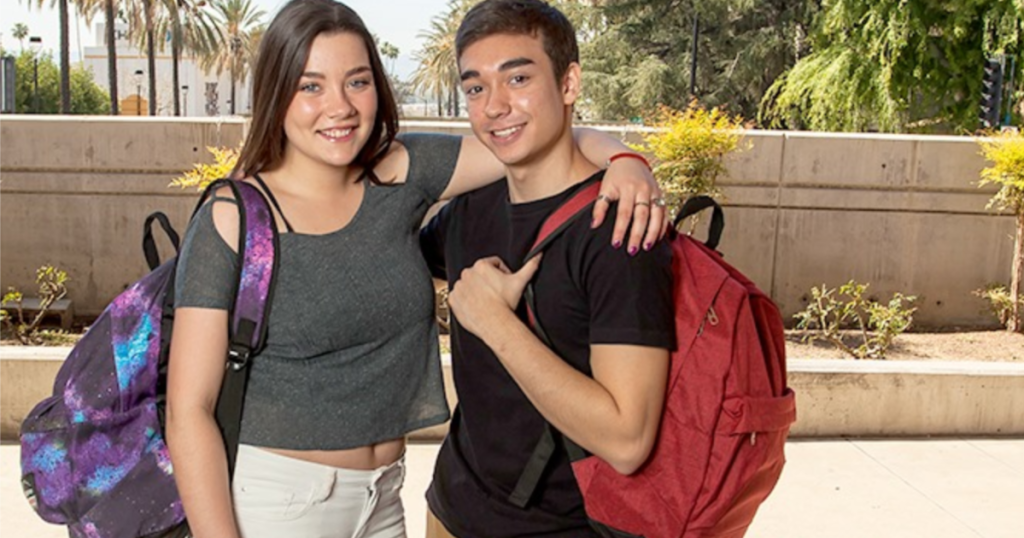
{"x": 954, "y": 488}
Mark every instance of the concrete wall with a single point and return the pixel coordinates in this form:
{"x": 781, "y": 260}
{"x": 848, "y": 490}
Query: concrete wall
{"x": 900, "y": 212}
{"x": 835, "y": 398}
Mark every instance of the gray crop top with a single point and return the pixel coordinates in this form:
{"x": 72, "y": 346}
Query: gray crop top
{"x": 351, "y": 356}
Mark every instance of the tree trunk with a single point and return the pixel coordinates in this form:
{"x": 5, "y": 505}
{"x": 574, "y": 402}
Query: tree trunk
{"x": 175, "y": 59}
{"x": 232, "y": 91}
{"x": 108, "y": 8}
{"x": 65, "y": 59}
{"x": 1017, "y": 275}
{"x": 440, "y": 103}
{"x": 150, "y": 55}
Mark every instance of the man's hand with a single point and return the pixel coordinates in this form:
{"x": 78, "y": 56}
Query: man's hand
{"x": 631, "y": 182}
{"x": 486, "y": 293}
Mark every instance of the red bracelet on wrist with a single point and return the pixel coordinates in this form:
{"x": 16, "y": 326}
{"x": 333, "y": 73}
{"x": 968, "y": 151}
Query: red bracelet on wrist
{"x": 628, "y": 155}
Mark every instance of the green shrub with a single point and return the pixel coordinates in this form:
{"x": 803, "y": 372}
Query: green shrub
{"x": 833, "y": 311}
{"x": 689, "y": 148}
{"x": 999, "y": 302}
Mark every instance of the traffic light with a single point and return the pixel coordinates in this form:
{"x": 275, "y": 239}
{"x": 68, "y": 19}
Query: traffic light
{"x": 991, "y": 93}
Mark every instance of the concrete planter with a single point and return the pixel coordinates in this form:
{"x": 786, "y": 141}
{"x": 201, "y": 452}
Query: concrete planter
{"x": 835, "y": 398}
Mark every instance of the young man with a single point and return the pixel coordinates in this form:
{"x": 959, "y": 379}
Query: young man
{"x": 608, "y": 315}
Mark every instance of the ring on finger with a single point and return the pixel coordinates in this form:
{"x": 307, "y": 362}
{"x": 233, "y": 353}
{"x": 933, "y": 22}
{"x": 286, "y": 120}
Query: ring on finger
{"x": 659, "y": 201}
{"x": 648, "y": 204}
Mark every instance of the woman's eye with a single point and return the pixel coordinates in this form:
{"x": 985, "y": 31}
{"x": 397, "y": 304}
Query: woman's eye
{"x": 309, "y": 87}
{"x": 360, "y": 83}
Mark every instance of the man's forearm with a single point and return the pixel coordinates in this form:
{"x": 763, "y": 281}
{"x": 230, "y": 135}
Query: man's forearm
{"x": 575, "y": 404}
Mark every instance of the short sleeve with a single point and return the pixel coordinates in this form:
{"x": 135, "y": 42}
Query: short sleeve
{"x": 432, "y": 160}
{"x": 630, "y": 296}
{"x": 207, "y": 266}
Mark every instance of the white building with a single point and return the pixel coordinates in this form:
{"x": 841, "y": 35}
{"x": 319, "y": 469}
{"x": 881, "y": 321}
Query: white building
{"x": 202, "y": 94}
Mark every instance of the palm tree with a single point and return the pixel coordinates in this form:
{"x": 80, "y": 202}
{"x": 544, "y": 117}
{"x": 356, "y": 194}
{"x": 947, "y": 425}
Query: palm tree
{"x": 238, "y": 32}
{"x": 141, "y": 29}
{"x": 187, "y": 24}
{"x": 88, "y": 9}
{"x": 438, "y": 72}
{"x": 65, "y": 53}
{"x": 20, "y": 32}
{"x": 191, "y": 32}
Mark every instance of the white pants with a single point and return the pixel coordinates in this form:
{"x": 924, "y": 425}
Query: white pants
{"x": 280, "y": 497}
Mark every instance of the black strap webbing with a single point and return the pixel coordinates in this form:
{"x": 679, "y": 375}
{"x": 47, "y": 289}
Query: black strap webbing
{"x": 149, "y": 244}
{"x": 534, "y": 469}
{"x": 273, "y": 200}
{"x": 232, "y": 391}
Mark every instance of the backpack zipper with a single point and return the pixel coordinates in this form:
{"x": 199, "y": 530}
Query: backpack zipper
{"x": 710, "y": 316}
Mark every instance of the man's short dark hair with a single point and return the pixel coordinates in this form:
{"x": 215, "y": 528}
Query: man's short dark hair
{"x": 522, "y": 17}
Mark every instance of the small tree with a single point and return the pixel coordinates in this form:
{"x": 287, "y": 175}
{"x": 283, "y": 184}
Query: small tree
{"x": 689, "y": 148}
{"x": 52, "y": 288}
{"x": 1006, "y": 152}
{"x": 833, "y": 310}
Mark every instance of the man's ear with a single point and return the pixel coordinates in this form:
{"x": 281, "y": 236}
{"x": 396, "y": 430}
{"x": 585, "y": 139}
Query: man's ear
{"x": 572, "y": 84}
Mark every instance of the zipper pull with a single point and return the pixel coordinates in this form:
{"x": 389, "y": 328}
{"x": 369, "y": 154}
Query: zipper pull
{"x": 710, "y": 316}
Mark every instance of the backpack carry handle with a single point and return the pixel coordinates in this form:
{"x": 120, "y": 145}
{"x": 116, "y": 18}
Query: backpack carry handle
{"x": 695, "y": 205}
{"x": 149, "y": 244}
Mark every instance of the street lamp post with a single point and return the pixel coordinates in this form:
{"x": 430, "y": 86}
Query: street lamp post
{"x": 35, "y": 44}
{"x": 184, "y": 92}
{"x": 139, "y": 75}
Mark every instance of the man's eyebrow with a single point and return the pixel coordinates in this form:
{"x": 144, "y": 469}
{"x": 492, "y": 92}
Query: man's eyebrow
{"x": 349, "y": 73}
{"x": 514, "y": 63}
{"x": 510, "y": 64}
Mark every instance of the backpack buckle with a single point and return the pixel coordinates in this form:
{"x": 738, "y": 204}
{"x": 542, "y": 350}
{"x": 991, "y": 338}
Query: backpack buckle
{"x": 238, "y": 356}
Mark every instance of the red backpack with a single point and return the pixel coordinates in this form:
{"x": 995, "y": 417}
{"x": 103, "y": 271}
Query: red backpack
{"x": 719, "y": 450}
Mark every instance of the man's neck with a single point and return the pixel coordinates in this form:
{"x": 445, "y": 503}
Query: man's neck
{"x": 562, "y": 166}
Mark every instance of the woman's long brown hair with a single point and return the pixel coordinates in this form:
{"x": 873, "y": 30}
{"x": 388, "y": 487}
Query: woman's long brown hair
{"x": 279, "y": 65}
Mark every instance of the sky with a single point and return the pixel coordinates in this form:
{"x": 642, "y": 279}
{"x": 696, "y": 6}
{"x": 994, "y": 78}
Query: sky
{"x": 396, "y": 21}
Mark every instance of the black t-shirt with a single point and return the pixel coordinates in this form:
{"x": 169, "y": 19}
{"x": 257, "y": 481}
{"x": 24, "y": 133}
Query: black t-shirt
{"x": 587, "y": 293}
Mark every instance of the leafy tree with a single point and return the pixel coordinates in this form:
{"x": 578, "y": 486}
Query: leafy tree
{"x": 1006, "y": 153}
{"x": 86, "y": 96}
{"x": 895, "y": 65}
{"x": 638, "y": 54}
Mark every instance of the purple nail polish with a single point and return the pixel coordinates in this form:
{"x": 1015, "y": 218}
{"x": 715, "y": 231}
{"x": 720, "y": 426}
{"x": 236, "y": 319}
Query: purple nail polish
{"x": 648, "y": 246}
{"x": 617, "y": 244}
{"x": 633, "y": 251}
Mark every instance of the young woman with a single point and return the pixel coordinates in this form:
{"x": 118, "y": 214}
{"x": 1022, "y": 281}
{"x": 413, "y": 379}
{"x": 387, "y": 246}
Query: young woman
{"x": 351, "y": 362}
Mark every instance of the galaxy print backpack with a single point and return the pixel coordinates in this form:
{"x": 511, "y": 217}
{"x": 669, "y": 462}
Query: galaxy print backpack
{"x": 93, "y": 455}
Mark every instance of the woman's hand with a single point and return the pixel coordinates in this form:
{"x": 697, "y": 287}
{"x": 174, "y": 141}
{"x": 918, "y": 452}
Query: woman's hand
{"x": 631, "y": 182}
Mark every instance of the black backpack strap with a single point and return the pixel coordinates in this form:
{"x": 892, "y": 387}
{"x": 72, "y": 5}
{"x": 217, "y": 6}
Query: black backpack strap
{"x": 149, "y": 244}
{"x": 556, "y": 223}
{"x": 695, "y": 205}
{"x": 273, "y": 200}
{"x": 258, "y": 246}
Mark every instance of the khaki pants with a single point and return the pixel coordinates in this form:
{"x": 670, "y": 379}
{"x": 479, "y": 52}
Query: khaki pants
{"x": 435, "y": 529}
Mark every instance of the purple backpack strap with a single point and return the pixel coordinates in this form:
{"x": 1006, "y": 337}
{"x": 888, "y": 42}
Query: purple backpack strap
{"x": 258, "y": 262}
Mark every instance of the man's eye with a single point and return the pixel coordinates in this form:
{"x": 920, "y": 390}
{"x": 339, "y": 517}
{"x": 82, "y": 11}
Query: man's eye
{"x": 473, "y": 90}
{"x": 519, "y": 79}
